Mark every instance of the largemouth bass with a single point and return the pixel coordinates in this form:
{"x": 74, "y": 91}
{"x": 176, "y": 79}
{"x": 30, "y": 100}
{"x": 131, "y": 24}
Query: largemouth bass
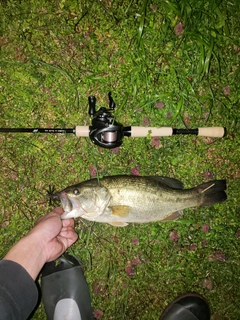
{"x": 119, "y": 200}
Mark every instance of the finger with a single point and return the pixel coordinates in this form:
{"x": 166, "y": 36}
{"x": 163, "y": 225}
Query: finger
{"x": 67, "y": 231}
{"x": 56, "y": 211}
{"x": 68, "y": 237}
{"x": 69, "y": 228}
{"x": 68, "y": 223}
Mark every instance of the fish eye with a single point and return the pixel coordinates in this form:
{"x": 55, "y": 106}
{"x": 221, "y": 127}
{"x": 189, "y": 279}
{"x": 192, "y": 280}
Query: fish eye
{"x": 76, "y": 192}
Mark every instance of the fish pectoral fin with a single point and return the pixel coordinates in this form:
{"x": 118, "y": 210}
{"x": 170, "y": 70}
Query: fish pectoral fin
{"x": 120, "y": 211}
{"x": 173, "y": 216}
{"x": 118, "y": 224}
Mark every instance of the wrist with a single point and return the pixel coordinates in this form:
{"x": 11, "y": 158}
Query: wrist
{"x": 29, "y": 253}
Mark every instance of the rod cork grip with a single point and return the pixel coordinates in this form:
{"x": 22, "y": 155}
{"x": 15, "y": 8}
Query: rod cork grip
{"x": 153, "y": 131}
{"x": 215, "y": 132}
{"x": 82, "y": 131}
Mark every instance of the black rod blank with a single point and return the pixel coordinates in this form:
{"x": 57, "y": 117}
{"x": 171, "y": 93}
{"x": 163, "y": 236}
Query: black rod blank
{"x": 38, "y": 130}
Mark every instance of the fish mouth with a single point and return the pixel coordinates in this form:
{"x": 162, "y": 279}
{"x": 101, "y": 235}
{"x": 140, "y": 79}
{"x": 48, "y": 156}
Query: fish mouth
{"x": 70, "y": 205}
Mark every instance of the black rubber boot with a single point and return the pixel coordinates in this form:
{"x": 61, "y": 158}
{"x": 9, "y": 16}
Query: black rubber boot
{"x": 65, "y": 293}
{"x": 188, "y": 306}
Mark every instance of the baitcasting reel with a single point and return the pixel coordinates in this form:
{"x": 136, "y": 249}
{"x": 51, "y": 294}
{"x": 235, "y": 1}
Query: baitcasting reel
{"x": 105, "y": 131}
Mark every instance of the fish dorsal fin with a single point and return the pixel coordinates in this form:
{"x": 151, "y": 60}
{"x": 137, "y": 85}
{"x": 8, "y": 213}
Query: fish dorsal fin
{"x": 118, "y": 224}
{"x": 120, "y": 211}
{"x": 169, "y": 182}
{"x": 173, "y": 216}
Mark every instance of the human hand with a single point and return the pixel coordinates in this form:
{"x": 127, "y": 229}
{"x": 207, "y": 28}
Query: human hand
{"x": 49, "y": 238}
{"x": 55, "y": 235}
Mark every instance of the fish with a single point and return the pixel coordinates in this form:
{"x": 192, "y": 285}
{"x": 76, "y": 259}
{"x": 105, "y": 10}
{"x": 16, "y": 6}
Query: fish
{"x": 122, "y": 199}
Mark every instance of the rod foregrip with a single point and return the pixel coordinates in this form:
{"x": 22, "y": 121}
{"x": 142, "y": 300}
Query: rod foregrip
{"x": 215, "y": 132}
{"x": 82, "y": 131}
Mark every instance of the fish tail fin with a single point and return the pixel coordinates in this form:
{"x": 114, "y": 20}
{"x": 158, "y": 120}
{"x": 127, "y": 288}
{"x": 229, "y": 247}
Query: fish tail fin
{"x": 213, "y": 192}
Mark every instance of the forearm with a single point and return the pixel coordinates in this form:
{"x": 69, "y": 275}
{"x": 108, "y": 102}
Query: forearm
{"x": 28, "y": 252}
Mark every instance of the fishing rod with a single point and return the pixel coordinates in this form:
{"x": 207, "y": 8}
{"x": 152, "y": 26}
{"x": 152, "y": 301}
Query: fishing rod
{"x": 106, "y": 132}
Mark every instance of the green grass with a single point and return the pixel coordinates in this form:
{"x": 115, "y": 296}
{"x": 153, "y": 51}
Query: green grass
{"x": 54, "y": 54}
